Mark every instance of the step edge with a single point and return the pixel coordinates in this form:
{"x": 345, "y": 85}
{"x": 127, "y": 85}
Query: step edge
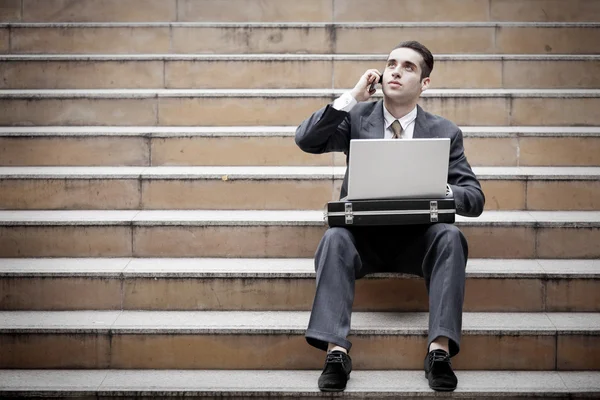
{"x": 269, "y": 173}
{"x": 301, "y": 25}
{"x": 268, "y": 131}
{"x": 20, "y": 94}
{"x": 287, "y": 57}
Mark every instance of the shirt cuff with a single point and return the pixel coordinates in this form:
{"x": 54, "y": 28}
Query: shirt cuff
{"x": 345, "y": 102}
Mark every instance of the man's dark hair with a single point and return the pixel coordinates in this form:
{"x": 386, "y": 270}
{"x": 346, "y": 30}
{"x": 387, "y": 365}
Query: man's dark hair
{"x": 427, "y": 64}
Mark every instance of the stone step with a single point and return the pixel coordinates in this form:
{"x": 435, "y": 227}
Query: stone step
{"x": 254, "y": 340}
{"x": 298, "y": 37}
{"x": 270, "y": 146}
{"x": 287, "y": 71}
{"x": 88, "y": 10}
{"x": 167, "y": 107}
{"x": 269, "y": 188}
{"x": 169, "y": 284}
{"x": 289, "y": 233}
{"x": 290, "y": 11}
{"x": 301, "y": 385}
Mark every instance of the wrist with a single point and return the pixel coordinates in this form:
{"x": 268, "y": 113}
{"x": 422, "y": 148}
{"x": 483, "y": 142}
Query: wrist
{"x": 356, "y": 94}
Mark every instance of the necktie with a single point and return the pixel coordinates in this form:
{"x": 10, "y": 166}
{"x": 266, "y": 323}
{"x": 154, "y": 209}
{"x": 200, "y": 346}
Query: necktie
{"x": 397, "y": 129}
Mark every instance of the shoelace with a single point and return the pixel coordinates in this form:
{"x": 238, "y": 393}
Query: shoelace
{"x": 438, "y": 356}
{"x": 335, "y": 358}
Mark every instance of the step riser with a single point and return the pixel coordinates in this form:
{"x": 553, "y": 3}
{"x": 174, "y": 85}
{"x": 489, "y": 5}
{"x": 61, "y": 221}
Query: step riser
{"x": 238, "y": 351}
{"x": 10, "y": 11}
{"x": 271, "y": 194}
{"x": 534, "y": 151}
{"x": 541, "y": 195}
{"x": 580, "y": 10}
{"x": 82, "y": 74}
{"x": 271, "y": 151}
{"x": 145, "y": 394}
{"x": 4, "y": 40}
{"x": 269, "y": 241}
{"x": 292, "y": 11}
{"x": 90, "y": 10}
{"x": 487, "y": 74}
{"x": 207, "y": 111}
{"x": 320, "y": 40}
{"x": 287, "y": 74}
{"x": 91, "y": 151}
{"x": 79, "y": 112}
{"x": 196, "y": 294}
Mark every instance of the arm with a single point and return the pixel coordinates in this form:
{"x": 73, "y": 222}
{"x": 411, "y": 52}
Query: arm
{"x": 465, "y": 187}
{"x": 329, "y": 128}
{"x": 326, "y": 130}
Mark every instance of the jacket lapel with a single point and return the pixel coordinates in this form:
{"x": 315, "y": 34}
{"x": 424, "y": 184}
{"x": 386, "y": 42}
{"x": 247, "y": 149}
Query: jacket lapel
{"x": 372, "y": 124}
{"x": 421, "y": 128}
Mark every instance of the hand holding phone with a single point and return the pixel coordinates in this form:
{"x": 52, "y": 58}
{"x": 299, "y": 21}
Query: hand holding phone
{"x": 365, "y": 87}
{"x": 372, "y": 87}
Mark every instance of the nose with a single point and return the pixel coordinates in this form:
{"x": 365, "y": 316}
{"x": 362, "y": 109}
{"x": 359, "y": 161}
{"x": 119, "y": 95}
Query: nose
{"x": 396, "y": 72}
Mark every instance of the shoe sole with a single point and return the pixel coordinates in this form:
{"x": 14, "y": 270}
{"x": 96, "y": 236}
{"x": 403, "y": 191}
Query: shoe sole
{"x": 334, "y": 390}
{"x": 443, "y": 389}
{"x": 439, "y": 388}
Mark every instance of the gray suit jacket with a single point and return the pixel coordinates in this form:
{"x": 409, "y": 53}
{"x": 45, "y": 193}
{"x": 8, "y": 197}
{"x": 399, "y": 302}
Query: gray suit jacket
{"x": 331, "y": 130}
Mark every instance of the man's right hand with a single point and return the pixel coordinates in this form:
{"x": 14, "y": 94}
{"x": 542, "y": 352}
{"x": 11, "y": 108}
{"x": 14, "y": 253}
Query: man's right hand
{"x": 361, "y": 90}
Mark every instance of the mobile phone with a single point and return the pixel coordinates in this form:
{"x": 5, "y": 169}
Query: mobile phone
{"x": 372, "y": 87}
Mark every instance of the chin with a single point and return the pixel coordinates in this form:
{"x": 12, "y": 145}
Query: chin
{"x": 394, "y": 95}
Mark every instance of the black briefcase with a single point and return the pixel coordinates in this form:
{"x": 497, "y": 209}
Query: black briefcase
{"x": 389, "y": 212}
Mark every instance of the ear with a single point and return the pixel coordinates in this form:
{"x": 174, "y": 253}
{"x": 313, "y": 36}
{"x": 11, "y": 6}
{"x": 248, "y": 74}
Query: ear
{"x": 425, "y": 84}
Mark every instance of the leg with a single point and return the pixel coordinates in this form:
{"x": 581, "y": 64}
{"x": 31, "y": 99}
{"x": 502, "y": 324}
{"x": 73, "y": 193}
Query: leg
{"x": 337, "y": 263}
{"x": 444, "y": 266}
{"x": 444, "y": 272}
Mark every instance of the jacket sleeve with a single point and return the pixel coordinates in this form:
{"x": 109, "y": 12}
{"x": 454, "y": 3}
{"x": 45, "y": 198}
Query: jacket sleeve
{"x": 468, "y": 196}
{"x": 325, "y": 131}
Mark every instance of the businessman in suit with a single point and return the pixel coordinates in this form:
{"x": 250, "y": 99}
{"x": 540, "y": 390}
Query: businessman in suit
{"x": 436, "y": 252}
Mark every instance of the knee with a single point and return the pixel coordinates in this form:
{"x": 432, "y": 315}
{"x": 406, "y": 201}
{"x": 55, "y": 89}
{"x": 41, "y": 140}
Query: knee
{"x": 452, "y": 232}
{"x": 337, "y": 237}
{"x": 450, "y": 235}
{"x": 336, "y": 248}
{"x": 446, "y": 230}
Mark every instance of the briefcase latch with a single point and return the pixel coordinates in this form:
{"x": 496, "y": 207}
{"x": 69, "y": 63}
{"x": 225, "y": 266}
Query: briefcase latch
{"x": 433, "y": 211}
{"x": 348, "y": 213}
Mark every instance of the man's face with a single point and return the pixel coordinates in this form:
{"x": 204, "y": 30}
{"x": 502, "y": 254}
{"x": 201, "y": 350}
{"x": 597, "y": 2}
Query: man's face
{"x": 402, "y": 76}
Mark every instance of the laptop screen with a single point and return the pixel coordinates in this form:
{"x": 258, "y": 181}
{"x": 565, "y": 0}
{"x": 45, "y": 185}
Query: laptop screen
{"x": 396, "y": 168}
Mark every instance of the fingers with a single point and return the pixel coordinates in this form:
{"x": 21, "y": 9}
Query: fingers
{"x": 372, "y": 79}
{"x": 365, "y": 87}
{"x": 371, "y": 76}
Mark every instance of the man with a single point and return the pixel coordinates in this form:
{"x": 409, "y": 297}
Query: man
{"x": 436, "y": 252}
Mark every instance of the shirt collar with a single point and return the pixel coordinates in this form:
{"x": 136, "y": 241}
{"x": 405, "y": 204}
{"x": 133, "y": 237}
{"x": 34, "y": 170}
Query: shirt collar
{"x": 404, "y": 121}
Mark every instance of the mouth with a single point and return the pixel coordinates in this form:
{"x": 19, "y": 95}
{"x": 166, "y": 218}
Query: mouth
{"x": 394, "y": 83}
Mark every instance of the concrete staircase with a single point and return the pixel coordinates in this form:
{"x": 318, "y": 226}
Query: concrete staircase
{"x": 157, "y": 220}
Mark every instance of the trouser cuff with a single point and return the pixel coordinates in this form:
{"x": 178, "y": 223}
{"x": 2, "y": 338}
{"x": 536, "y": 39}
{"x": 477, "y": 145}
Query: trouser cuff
{"x": 320, "y": 340}
{"x": 453, "y": 342}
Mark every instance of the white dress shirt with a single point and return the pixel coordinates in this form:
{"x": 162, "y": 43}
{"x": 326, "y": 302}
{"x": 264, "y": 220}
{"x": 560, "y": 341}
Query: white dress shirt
{"x": 346, "y": 102}
{"x": 407, "y": 122}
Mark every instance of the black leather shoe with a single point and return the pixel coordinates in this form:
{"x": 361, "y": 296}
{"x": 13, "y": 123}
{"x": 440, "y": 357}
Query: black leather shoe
{"x": 438, "y": 371}
{"x": 336, "y": 372}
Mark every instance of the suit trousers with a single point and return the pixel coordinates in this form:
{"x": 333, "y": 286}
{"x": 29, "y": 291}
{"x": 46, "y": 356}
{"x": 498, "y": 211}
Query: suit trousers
{"x": 438, "y": 253}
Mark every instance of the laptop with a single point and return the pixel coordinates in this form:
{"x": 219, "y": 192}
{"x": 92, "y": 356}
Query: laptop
{"x": 396, "y": 168}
